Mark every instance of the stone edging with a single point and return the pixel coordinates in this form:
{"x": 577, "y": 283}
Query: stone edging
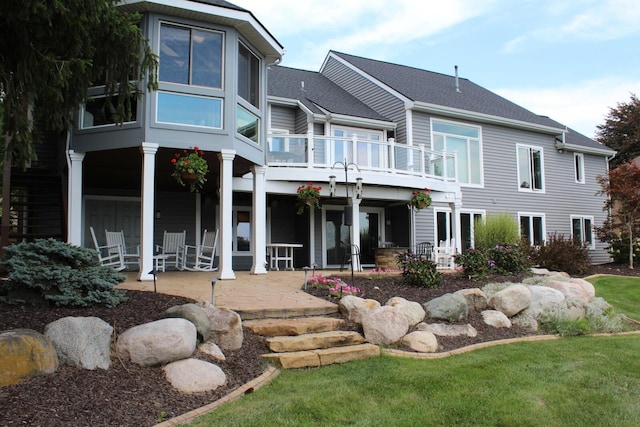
{"x": 414, "y": 355}
{"x": 267, "y": 376}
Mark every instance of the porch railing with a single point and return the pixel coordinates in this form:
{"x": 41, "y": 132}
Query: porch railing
{"x": 287, "y": 150}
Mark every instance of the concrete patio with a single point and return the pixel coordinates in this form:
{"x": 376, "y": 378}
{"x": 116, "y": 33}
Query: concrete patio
{"x": 277, "y": 294}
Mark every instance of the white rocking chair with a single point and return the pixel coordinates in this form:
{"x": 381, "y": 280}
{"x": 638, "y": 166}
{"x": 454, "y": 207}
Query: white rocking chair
{"x": 131, "y": 255}
{"x": 109, "y": 255}
{"x": 202, "y": 256}
{"x": 170, "y": 250}
{"x": 444, "y": 253}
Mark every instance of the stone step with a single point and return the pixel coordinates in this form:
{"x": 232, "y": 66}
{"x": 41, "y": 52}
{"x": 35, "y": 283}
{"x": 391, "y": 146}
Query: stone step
{"x": 299, "y": 326}
{"x": 314, "y": 341}
{"x": 286, "y": 313}
{"x": 322, "y": 357}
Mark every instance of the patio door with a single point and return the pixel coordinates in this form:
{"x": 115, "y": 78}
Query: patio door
{"x": 336, "y": 232}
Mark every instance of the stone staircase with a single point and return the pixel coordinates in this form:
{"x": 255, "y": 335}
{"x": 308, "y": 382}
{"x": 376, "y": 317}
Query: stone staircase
{"x": 311, "y": 342}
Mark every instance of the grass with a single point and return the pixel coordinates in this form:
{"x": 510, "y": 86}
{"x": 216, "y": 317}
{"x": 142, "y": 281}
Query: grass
{"x": 572, "y": 381}
{"x": 621, "y": 292}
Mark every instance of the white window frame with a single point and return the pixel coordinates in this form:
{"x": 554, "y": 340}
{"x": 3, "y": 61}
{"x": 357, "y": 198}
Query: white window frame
{"x": 448, "y": 224}
{"x": 235, "y": 250}
{"x": 473, "y": 212}
{"x": 582, "y": 219}
{"x": 531, "y": 179}
{"x": 469, "y": 156}
{"x": 366, "y": 135}
{"x": 532, "y": 215}
{"x": 578, "y": 162}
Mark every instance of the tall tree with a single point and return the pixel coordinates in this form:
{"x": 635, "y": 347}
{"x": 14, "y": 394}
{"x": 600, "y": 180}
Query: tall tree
{"x": 621, "y": 131}
{"x": 52, "y": 51}
{"x": 622, "y": 186}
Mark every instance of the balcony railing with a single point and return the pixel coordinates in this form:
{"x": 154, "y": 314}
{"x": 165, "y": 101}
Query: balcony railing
{"x": 287, "y": 150}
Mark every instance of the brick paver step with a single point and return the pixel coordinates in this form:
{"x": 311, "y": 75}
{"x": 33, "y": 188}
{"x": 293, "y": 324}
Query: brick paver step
{"x": 314, "y": 341}
{"x": 322, "y": 357}
{"x": 298, "y": 326}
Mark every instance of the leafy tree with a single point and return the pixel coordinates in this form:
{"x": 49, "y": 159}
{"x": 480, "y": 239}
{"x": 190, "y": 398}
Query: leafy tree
{"x": 622, "y": 187}
{"x": 52, "y": 51}
{"x": 621, "y": 131}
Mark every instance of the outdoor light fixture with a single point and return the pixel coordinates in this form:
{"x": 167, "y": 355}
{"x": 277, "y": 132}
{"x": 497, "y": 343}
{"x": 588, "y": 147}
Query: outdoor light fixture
{"x": 332, "y": 186}
{"x": 358, "y": 188}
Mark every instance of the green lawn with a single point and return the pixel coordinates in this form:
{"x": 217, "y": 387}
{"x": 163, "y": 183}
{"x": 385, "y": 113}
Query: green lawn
{"x": 569, "y": 382}
{"x": 621, "y": 292}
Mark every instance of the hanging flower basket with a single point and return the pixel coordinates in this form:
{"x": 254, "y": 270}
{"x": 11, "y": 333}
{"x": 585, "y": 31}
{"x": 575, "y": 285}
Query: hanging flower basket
{"x": 190, "y": 168}
{"x": 308, "y": 197}
{"x": 420, "y": 199}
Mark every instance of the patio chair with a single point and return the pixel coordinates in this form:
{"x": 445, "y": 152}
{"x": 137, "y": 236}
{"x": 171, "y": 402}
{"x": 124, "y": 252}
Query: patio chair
{"x": 443, "y": 254}
{"x": 109, "y": 255}
{"x": 200, "y": 257}
{"x": 170, "y": 250}
{"x": 424, "y": 249}
{"x": 388, "y": 245}
{"x": 131, "y": 255}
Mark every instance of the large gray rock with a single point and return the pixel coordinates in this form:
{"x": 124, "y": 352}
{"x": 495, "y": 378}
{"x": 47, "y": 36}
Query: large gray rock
{"x": 421, "y": 341}
{"x": 449, "y": 307}
{"x": 25, "y": 353}
{"x": 84, "y": 342}
{"x": 196, "y": 315}
{"x": 511, "y": 300}
{"x": 212, "y": 350}
{"x": 496, "y": 318}
{"x": 476, "y": 299}
{"x": 226, "y": 327}
{"x": 158, "y": 342}
{"x": 411, "y": 309}
{"x": 545, "y": 300}
{"x": 194, "y": 376}
{"x": 385, "y": 325}
{"x": 446, "y": 330}
{"x": 354, "y": 308}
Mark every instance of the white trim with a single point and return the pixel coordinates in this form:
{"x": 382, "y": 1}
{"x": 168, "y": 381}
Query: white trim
{"x": 582, "y": 218}
{"x": 433, "y": 120}
{"x": 585, "y": 150}
{"x": 531, "y": 215}
{"x": 472, "y": 212}
{"x": 578, "y": 166}
{"x": 531, "y": 176}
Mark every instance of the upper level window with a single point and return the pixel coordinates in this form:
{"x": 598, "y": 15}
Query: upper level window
{"x": 189, "y": 110}
{"x": 465, "y": 141}
{"x": 578, "y": 160}
{"x": 530, "y": 168}
{"x": 190, "y": 56}
{"x": 247, "y": 124}
{"x": 581, "y": 230}
{"x": 248, "y": 76}
{"x": 100, "y": 112}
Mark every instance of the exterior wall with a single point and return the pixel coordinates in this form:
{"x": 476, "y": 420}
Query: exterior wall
{"x": 283, "y": 118}
{"x": 371, "y": 94}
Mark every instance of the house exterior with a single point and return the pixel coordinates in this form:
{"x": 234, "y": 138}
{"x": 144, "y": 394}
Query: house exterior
{"x": 368, "y": 132}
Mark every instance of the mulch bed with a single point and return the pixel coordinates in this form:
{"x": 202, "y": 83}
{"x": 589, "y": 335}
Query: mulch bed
{"x": 128, "y": 395}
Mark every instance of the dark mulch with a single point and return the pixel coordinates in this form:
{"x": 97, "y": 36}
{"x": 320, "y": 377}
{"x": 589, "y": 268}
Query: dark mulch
{"x": 129, "y": 395}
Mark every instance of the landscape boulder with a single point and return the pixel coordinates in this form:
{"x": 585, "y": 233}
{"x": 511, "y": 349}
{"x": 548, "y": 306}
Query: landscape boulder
{"x": 226, "y": 327}
{"x": 511, "y": 300}
{"x": 449, "y": 307}
{"x": 84, "y": 342}
{"x": 196, "y": 315}
{"x": 412, "y": 310}
{"x": 194, "y": 376}
{"x": 446, "y": 330}
{"x": 586, "y": 286}
{"x": 25, "y": 353}
{"x": 545, "y": 300}
{"x": 385, "y": 325}
{"x": 213, "y": 350}
{"x": 158, "y": 342}
{"x": 496, "y": 318}
{"x": 476, "y": 299}
{"x": 421, "y": 341}
{"x": 354, "y": 308}
{"x": 570, "y": 289}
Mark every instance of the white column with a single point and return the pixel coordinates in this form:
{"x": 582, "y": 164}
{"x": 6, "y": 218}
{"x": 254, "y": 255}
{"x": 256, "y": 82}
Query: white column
{"x": 226, "y": 214}
{"x": 455, "y": 213}
{"x": 147, "y": 204}
{"x": 355, "y": 232}
{"x": 259, "y": 221}
{"x": 74, "y": 210}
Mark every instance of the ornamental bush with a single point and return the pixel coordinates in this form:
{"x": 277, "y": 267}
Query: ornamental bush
{"x": 419, "y": 271}
{"x": 561, "y": 254}
{"x": 50, "y": 271}
{"x": 496, "y": 230}
{"x": 505, "y": 260}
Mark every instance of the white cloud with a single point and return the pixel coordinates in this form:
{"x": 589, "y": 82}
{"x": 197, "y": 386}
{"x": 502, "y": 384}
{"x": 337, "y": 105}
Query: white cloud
{"x": 581, "y": 106}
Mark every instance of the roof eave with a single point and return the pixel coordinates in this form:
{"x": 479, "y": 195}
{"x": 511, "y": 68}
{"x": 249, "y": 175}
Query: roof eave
{"x": 586, "y": 150}
{"x": 485, "y": 118}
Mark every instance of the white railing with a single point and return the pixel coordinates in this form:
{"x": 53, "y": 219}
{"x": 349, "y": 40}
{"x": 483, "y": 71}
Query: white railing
{"x": 286, "y": 150}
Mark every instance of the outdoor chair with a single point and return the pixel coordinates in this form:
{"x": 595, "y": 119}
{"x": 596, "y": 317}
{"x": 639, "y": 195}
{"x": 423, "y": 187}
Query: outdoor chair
{"x": 443, "y": 254}
{"x": 202, "y": 256}
{"x": 131, "y": 255}
{"x": 388, "y": 245}
{"x": 109, "y": 255}
{"x": 170, "y": 251}
{"x": 424, "y": 249}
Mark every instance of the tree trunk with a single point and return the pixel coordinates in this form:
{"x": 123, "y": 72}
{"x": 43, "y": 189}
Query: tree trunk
{"x": 631, "y": 245}
{"x": 6, "y": 197}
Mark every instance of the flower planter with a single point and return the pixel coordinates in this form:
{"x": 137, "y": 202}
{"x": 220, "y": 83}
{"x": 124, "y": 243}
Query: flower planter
{"x": 186, "y": 176}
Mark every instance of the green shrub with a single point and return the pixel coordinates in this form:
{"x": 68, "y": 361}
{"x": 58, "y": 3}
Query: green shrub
{"x": 474, "y": 263}
{"x": 499, "y": 229}
{"x": 619, "y": 248}
{"x": 560, "y": 254}
{"x": 419, "y": 271}
{"x": 48, "y": 270}
{"x": 504, "y": 260}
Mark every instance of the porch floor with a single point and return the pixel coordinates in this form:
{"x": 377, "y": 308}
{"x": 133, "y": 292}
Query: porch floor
{"x": 277, "y": 294}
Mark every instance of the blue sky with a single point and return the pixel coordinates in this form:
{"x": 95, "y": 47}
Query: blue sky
{"x": 571, "y": 60}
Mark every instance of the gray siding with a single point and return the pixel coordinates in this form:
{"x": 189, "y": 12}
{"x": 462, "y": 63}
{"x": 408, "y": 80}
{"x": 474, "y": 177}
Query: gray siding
{"x": 283, "y": 118}
{"x": 372, "y": 95}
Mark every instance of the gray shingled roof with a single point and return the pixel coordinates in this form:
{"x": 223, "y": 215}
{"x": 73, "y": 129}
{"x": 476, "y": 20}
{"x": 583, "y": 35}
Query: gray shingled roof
{"x": 221, "y": 3}
{"x": 318, "y": 91}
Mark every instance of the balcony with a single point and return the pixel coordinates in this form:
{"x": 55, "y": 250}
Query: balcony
{"x": 385, "y": 157}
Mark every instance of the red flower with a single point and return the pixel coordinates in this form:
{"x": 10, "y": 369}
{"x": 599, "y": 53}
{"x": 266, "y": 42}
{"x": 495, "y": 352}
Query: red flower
{"x": 174, "y": 160}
